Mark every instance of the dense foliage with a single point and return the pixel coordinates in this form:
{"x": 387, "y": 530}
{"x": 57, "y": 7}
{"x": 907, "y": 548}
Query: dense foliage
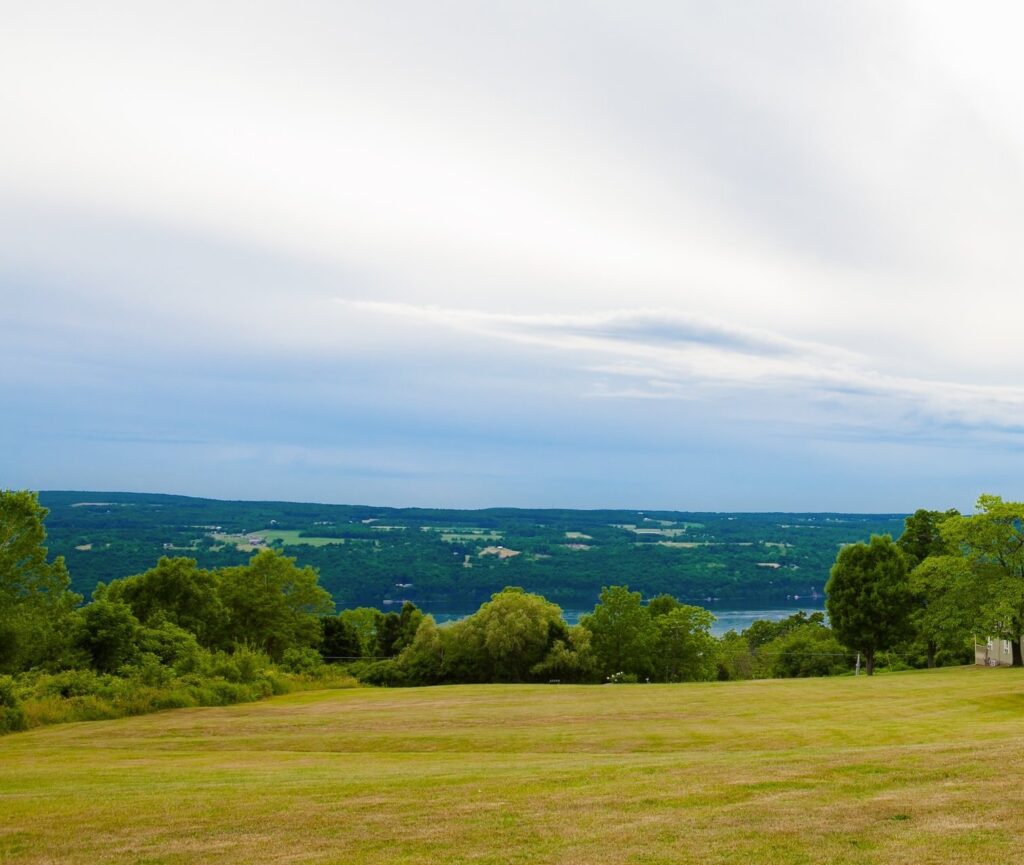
{"x": 182, "y": 633}
{"x": 174, "y": 635}
{"x": 869, "y": 597}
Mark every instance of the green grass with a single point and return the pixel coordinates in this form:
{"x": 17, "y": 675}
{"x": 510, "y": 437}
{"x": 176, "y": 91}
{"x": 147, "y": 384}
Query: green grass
{"x": 456, "y": 535}
{"x": 288, "y": 537}
{"x": 291, "y": 538}
{"x": 911, "y": 768}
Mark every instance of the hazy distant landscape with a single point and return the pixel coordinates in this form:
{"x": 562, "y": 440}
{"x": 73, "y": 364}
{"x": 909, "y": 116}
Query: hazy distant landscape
{"x": 452, "y": 560}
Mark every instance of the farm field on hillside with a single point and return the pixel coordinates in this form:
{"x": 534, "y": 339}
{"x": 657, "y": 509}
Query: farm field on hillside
{"x": 905, "y": 768}
{"x": 452, "y": 559}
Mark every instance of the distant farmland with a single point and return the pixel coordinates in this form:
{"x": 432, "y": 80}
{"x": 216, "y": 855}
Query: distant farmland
{"x": 458, "y": 558}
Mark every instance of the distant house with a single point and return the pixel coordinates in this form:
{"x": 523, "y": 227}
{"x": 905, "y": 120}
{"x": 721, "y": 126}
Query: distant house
{"x": 993, "y": 652}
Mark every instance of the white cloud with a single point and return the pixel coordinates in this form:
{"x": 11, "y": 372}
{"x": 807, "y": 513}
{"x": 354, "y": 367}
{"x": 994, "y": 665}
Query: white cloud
{"x": 667, "y": 355}
{"x": 792, "y": 218}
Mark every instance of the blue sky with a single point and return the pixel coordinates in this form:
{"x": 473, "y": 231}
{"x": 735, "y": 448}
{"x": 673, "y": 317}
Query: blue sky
{"x": 684, "y": 255}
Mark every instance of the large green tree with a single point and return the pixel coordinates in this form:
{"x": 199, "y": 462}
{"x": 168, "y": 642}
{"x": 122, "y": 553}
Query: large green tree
{"x": 517, "y": 629}
{"x": 108, "y": 634}
{"x": 35, "y": 601}
{"x": 622, "y": 632}
{"x": 992, "y": 541}
{"x": 869, "y": 598}
{"x": 946, "y": 604}
{"x": 177, "y": 590}
{"x": 366, "y": 623}
{"x": 684, "y": 647}
{"x": 340, "y": 640}
{"x": 922, "y": 535}
{"x": 274, "y": 605}
{"x": 937, "y": 581}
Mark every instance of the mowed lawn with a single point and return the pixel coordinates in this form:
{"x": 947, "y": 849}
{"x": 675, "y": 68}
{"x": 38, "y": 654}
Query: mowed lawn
{"x": 922, "y": 767}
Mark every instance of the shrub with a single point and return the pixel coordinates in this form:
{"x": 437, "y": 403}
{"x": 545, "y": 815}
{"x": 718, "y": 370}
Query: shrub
{"x": 304, "y": 660}
{"x": 386, "y": 673}
{"x": 149, "y": 671}
{"x": 70, "y": 683}
{"x": 12, "y": 715}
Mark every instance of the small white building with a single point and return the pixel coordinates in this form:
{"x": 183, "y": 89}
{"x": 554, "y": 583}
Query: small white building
{"x": 993, "y": 652}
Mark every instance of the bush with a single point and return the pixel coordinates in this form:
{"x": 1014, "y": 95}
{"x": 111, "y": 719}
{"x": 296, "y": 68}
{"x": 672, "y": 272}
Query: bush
{"x": 149, "y": 671}
{"x": 244, "y": 665}
{"x": 12, "y": 715}
{"x": 809, "y": 650}
{"x": 304, "y": 660}
{"x": 108, "y": 634}
{"x": 172, "y": 646}
{"x": 385, "y": 673}
{"x": 70, "y": 683}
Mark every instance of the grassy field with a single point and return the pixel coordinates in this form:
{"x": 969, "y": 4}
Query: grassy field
{"x": 289, "y": 537}
{"x": 915, "y": 768}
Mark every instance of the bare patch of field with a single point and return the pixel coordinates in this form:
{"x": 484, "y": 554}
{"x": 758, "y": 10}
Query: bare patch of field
{"x": 500, "y": 552}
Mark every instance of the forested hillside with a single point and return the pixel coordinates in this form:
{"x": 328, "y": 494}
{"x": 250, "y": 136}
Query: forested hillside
{"x": 373, "y": 556}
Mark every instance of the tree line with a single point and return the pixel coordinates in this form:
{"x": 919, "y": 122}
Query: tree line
{"x": 915, "y": 601}
{"x": 564, "y": 555}
{"x": 948, "y": 578}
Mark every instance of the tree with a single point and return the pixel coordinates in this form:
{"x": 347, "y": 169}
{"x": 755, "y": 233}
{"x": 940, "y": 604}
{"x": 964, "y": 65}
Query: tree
{"x": 736, "y": 660}
{"x": 922, "y": 535}
{"x": 869, "y": 598}
{"x": 684, "y": 647}
{"x": 660, "y": 605}
{"x": 763, "y": 631}
{"x": 410, "y": 619}
{"x": 992, "y": 541}
{"x": 946, "y": 603}
{"x": 177, "y": 591}
{"x": 422, "y": 660}
{"x": 389, "y": 633}
{"x": 570, "y": 660}
{"x": 108, "y": 634}
{"x": 622, "y": 632}
{"x": 464, "y": 658}
{"x": 340, "y": 639}
{"x": 272, "y": 604}
{"x": 808, "y": 650}
{"x": 366, "y": 622}
{"x": 35, "y": 600}
{"x": 517, "y": 628}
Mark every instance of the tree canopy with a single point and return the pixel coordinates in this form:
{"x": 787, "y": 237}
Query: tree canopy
{"x": 992, "y": 543}
{"x": 35, "y": 600}
{"x": 869, "y": 598}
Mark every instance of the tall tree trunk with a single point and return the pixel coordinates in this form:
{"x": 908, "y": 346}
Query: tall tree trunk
{"x": 1018, "y": 660}
{"x": 869, "y": 662}
{"x": 931, "y": 654}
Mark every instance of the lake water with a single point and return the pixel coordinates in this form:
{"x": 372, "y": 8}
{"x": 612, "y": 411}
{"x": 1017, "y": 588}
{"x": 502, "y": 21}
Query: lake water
{"x": 727, "y": 618}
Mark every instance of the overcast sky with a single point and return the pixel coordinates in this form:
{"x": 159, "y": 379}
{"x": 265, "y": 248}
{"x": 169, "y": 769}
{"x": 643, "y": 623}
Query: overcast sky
{"x": 704, "y": 256}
